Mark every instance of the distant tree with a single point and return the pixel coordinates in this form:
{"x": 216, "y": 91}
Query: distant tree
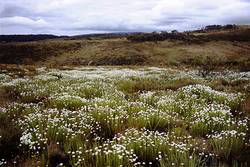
{"x": 174, "y": 32}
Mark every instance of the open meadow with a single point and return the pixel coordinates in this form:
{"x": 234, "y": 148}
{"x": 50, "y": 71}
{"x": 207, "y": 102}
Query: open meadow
{"x": 124, "y": 116}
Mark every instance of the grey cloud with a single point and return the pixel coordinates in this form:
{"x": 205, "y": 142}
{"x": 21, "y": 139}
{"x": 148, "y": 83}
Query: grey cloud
{"x": 113, "y": 28}
{"x": 238, "y": 20}
{"x": 86, "y": 16}
{"x": 171, "y": 20}
{"x": 13, "y": 10}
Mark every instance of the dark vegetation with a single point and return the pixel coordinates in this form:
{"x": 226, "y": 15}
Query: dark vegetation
{"x": 100, "y": 36}
{"x": 162, "y": 36}
{"x": 217, "y": 27}
{"x": 10, "y": 137}
{"x": 233, "y": 35}
{"x": 39, "y": 37}
{"x": 238, "y": 35}
{"x": 27, "y": 53}
{"x": 27, "y": 38}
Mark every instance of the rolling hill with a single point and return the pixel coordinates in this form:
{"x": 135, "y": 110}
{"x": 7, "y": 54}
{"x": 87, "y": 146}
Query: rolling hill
{"x": 229, "y": 48}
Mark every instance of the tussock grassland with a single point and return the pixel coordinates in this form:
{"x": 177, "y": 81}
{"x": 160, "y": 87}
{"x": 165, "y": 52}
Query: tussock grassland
{"x": 116, "y": 116}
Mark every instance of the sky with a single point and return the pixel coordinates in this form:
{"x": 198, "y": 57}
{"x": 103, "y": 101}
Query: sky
{"x": 74, "y": 17}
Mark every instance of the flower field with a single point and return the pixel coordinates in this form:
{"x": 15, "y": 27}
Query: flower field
{"x": 114, "y": 117}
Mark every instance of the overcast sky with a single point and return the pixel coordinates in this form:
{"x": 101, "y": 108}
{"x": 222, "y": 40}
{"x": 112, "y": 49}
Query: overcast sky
{"x": 71, "y": 17}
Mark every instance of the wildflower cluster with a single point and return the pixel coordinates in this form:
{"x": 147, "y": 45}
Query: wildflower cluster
{"x": 143, "y": 148}
{"x": 127, "y": 117}
{"x": 44, "y": 126}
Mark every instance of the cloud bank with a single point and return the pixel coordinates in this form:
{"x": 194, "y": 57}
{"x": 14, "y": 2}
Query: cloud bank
{"x": 70, "y": 17}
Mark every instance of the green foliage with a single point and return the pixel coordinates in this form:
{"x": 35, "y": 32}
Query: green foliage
{"x": 68, "y": 102}
{"x": 178, "y": 159}
{"x": 110, "y": 121}
{"x": 228, "y": 144}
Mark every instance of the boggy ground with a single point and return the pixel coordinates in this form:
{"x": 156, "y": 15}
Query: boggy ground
{"x": 117, "y": 116}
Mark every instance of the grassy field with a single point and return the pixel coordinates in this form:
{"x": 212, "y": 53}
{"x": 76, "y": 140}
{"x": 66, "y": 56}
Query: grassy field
{"x": 118, "y": 116}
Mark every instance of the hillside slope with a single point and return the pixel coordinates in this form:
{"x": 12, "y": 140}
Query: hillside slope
{"x": 226, "y": 52}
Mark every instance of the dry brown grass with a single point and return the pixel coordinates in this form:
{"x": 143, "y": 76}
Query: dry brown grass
{"x": 246, "y": 106}
{"x": 120, "y": 51}
{"x": 147, "y": 84}
{"x": 166, "y": 53}
{"x": 5, "y": 98}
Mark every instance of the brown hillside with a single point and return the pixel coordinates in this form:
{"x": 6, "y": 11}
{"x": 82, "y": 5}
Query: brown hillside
{"x": 226, "y": 47}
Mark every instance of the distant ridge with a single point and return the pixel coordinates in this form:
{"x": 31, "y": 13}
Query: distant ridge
{"x": 28, "y": 38}
{"x": 228, "y": 29}
{"x": 39, "y": 37}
